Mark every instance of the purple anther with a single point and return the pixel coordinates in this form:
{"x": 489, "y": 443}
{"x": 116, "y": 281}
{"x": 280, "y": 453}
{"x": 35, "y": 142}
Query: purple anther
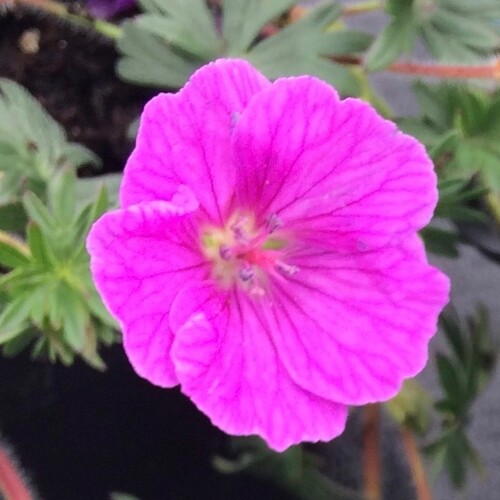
{"x": 225, "y": 252}
{"x": 273, "y": 222}
{"x": 285, "y": 269}
{"x": 246, "y": 273}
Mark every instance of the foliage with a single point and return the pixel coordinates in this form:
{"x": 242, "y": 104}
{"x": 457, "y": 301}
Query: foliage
{"x": 173, "y": 38}
{"x": 452, "y": 30}
{"x": 295, "y": 470}
{"x": 463, "y": 374}
{"x": 33, "y": 147}
{"x": 460, "y": 126}
{"x": 47, "y": 296}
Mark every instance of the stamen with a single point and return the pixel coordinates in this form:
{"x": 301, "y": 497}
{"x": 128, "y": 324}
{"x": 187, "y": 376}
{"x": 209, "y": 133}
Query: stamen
{"x": 246, "y": 273}
{"x": 285, "y": 269}
{"x": 245, "y": 254}
{"x": 225, "y": 252}
{"x": 273, "y": 222}
{"x": 238, "y": 229}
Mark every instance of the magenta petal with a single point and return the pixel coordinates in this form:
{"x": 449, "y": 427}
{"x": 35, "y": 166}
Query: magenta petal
{"x": 185, "y": 138}
{"x": 352, "y": 327}
{"x": 315, "y": 160}
{"x": 140, "y": 256}
{"x": 228, "y": 365}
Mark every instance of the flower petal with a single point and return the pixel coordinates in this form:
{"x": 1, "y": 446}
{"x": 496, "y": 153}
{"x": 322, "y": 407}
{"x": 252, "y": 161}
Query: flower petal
{"x": 352, "y": 327}
{"x": 232, "y": 371}
{"x": 185, "y": 138}
{"x": 312, "y": 159}
{"x": 140, "y": 256}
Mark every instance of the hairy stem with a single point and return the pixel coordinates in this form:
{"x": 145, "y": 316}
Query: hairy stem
{"x": 416, "y": 465}
{"x": 371, "y": 453}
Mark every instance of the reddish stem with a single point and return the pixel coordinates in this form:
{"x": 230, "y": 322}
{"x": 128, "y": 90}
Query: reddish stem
{"x": 12, "y": 486}
{"x": 416, "y": 465}
{"x": 490, "y": 70}
{"x": 371, "y": 453}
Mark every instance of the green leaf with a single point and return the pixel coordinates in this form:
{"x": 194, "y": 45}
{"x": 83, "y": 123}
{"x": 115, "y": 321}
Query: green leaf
{"x": 14, "y": 317}
{"x": 473, "y": 110}
{"x": 456, "y": 454}
{"x": 467, "y": 29}
{"x": 74, "y": 316}
{"x": 344, "y": 43}
{"x": 186, "y": 24}
{"x": 451, "y": 328}
{"x": 77, "y": 155}
{"x": 22, "y": 278}
{"x": 96, "y": 307}
{"x": 88, "y": 187}
{"x": 451, "y": 380}
{"x": 39, "y": 248}
{"x": 434, "y": 103}
{"x": 32, "y": 144}
{"x": 153, "y": 57}
{"x": 17, "y": 344}
{"x": 148, "y": 60}
{"x": 13, "y": 217}
{"x": 440, "y": 241}
{"x": 244, "y": 19}
{"x": 39, "y": 214}
{"x": 62, "y": 196}
{"x": 296, "y": 49}
{"x": 396, "y": 38}
{"x": 11, "y": 253}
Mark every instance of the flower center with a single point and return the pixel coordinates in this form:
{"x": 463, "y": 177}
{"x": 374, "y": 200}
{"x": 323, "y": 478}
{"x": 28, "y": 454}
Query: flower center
{"x": 245, "y": 255}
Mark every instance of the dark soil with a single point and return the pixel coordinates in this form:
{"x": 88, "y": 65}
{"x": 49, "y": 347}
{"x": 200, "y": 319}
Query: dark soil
{"x": 72, "y": 75}
{"x": 80, "y": 434}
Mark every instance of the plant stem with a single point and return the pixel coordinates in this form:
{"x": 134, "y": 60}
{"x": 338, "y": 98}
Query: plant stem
{"x": 12, "y": 486}
{"x": 362, "y": 7}
{"x": 109, "y": 30}
{"x": 371, "y": 453}
{"x": 489, "y": 70}
{"x": 415, "y": 463}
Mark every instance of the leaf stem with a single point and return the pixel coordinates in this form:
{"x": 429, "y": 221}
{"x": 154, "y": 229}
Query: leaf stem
{"x": 362, "y": 7}
{"x": 109, "y": 30}
{"x": 490, "y": 70}
{"x": 415, "y": 463}
{"x": 371, "y": 453}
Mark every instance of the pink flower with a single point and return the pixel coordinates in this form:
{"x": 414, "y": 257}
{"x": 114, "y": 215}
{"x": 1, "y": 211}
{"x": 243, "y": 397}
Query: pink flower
{"x": 265, "y": 255}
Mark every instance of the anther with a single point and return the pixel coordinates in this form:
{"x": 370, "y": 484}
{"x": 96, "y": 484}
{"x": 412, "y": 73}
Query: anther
{"x": 246, "y": 273}
{"x": 273, "y": 222}
{"x": 285, "y": 269}
{"x": 238, "y": 229}
{"x": 225, "y": 252}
